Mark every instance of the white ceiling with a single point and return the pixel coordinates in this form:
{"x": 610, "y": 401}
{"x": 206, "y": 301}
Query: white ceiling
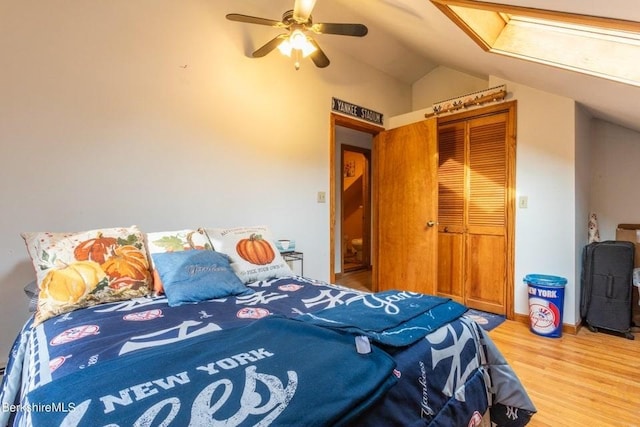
{"x": 408, "y": 38}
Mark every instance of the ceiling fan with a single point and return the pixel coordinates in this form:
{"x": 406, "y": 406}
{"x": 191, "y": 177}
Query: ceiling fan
{"x": 296, "y": 41}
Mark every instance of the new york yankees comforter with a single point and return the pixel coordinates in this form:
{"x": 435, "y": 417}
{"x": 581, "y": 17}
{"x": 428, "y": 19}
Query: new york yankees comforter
{"x": 296, "y": 352}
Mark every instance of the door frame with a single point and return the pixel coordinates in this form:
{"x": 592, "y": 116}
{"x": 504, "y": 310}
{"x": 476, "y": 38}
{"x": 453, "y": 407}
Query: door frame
{"x": 511, "y": 109}
{"x": 373, "y": 130}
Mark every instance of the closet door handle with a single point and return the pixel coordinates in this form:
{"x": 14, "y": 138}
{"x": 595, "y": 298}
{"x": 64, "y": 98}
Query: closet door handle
{"x": 430, "y": 223}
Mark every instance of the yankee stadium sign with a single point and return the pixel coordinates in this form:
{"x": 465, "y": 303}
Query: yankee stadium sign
{"x": 356, "y": 111}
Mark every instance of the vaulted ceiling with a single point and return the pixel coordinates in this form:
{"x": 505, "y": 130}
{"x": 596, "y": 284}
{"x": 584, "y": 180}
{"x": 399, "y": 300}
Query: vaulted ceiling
{"x": 409, "y": 38}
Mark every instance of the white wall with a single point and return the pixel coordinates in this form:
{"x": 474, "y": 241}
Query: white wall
{"x": 149, "y": 112}
{"x": 584, "y": 148}
{"x": 545, "y": 173}
{"x": 615, "y": 169}
{"x": 408, "y": 118}
{"x": 444, "y": 83}
{"x": 438, "y": 85}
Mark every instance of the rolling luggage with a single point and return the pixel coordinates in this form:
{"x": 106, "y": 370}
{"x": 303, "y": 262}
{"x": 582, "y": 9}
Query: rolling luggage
{"x": 607, "y": 276}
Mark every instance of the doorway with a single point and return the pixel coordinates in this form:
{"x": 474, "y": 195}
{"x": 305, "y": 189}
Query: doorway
{"x": 355, "y": 202}
{"x": 353, "y": 129}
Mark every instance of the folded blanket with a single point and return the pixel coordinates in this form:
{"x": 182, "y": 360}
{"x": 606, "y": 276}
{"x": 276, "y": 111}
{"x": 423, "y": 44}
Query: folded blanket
{"x": 393, "y": 318}
{"x": 274, "y": 370}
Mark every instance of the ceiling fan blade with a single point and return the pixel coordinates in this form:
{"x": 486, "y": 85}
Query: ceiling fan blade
{"x": 356, "y": 30}
{"x": 254, "y": 20}
{"x": 269, "y": 46}
{"x": 318, "y": 57}
{"x": 302, "y": 10}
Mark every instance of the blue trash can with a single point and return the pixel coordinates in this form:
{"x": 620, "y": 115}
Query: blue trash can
{"x": 546, "y": 301}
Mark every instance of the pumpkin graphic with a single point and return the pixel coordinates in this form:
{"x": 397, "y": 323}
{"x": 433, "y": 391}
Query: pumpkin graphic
{"x": 255, "y": 250}
{"x": 127, "y": 265}
{"x": 94, "y": 249}
{"x": 71, "y": 283}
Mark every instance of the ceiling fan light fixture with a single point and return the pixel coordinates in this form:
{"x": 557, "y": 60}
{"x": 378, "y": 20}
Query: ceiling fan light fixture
{"x": 299, "y": 41}
{"x": 298, "y": 45}
{"x": 308, "y": 49}
{"x": 285, "y": 47}
{"x": 295, "y": 42}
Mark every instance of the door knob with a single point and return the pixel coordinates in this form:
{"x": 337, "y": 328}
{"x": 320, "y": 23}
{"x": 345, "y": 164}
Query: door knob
{"x": 430, "y": 224}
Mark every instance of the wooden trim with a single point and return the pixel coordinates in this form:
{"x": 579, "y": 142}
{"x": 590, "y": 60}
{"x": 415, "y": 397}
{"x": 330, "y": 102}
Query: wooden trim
{"x": 462, "y": 24}
{"x": 553, "y": 15}
{"x": 502, "y": 107}
{"x": 332, "y": 198}
{"x": 511, "y": 205}
{"x": 355, "y": 124}
{"x": 344, "y": 121}
{"x": 523, "y": 32}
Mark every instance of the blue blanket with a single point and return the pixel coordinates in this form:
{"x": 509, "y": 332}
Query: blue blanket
{"x": 266, "y": 372}
{"x": 393, "y": 318}
{"x": 439, "y": 380}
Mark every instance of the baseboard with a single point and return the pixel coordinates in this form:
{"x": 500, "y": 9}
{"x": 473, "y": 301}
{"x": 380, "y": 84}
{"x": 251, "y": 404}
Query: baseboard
{"x": 566, "y": 328}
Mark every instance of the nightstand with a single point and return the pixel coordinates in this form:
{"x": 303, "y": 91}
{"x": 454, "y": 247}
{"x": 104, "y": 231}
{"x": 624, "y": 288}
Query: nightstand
{"x": 292, "y": 258}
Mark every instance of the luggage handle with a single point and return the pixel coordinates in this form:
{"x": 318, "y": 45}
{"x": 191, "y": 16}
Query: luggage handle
{"x": 609, "y": 286}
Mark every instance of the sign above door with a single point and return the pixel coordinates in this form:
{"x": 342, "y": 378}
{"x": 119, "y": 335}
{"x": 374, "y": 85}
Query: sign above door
{"x": 357, "y": 111}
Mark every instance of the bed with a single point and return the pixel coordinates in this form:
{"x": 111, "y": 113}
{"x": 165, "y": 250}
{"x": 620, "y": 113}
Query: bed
{"x": 283, "y": 350}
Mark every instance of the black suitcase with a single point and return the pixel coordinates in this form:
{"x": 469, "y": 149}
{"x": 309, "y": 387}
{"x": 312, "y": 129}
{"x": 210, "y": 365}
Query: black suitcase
{"x": 607, "y": 283}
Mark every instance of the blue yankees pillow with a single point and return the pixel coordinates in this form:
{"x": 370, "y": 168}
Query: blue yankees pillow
{"x": 198, "y": 275}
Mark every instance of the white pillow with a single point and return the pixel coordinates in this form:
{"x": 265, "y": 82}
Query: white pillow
{"x": 252, "y": 251}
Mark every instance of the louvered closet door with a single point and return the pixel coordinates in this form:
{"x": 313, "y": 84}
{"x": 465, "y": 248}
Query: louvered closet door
{"x": 486, "y": 214}
{"x": 451, "y": 208}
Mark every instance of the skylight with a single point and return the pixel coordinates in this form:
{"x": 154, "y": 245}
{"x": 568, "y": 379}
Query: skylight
{"x": 602, "y": 47}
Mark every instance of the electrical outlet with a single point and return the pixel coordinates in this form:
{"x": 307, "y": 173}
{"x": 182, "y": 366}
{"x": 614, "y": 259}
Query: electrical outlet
{"x": 523, "y": 202}
{"x": 322, "y": 197}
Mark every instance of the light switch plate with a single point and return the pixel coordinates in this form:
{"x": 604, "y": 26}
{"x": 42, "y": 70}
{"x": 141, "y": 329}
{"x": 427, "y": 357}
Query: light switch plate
{"x": 523, "y": 202}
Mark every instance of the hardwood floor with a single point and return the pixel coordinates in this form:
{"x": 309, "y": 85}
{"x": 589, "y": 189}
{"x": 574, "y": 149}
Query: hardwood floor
{"x": 357, "y": 279}
{"x": 587, "y": 379}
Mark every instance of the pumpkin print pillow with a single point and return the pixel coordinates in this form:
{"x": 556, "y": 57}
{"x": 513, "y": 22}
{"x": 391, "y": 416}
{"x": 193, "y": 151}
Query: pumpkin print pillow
{"x": 253, "y": 254}
{"x": 173, "y": 241}
{"x": 82, "y": 269}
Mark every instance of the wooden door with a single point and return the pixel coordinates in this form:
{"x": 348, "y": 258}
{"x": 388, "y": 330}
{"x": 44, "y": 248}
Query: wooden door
{"x": 451, "y": 207}
{"x": 475, "y": 232}
{"x": 406, "y": 206}
{"x": 486, "y": 214}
